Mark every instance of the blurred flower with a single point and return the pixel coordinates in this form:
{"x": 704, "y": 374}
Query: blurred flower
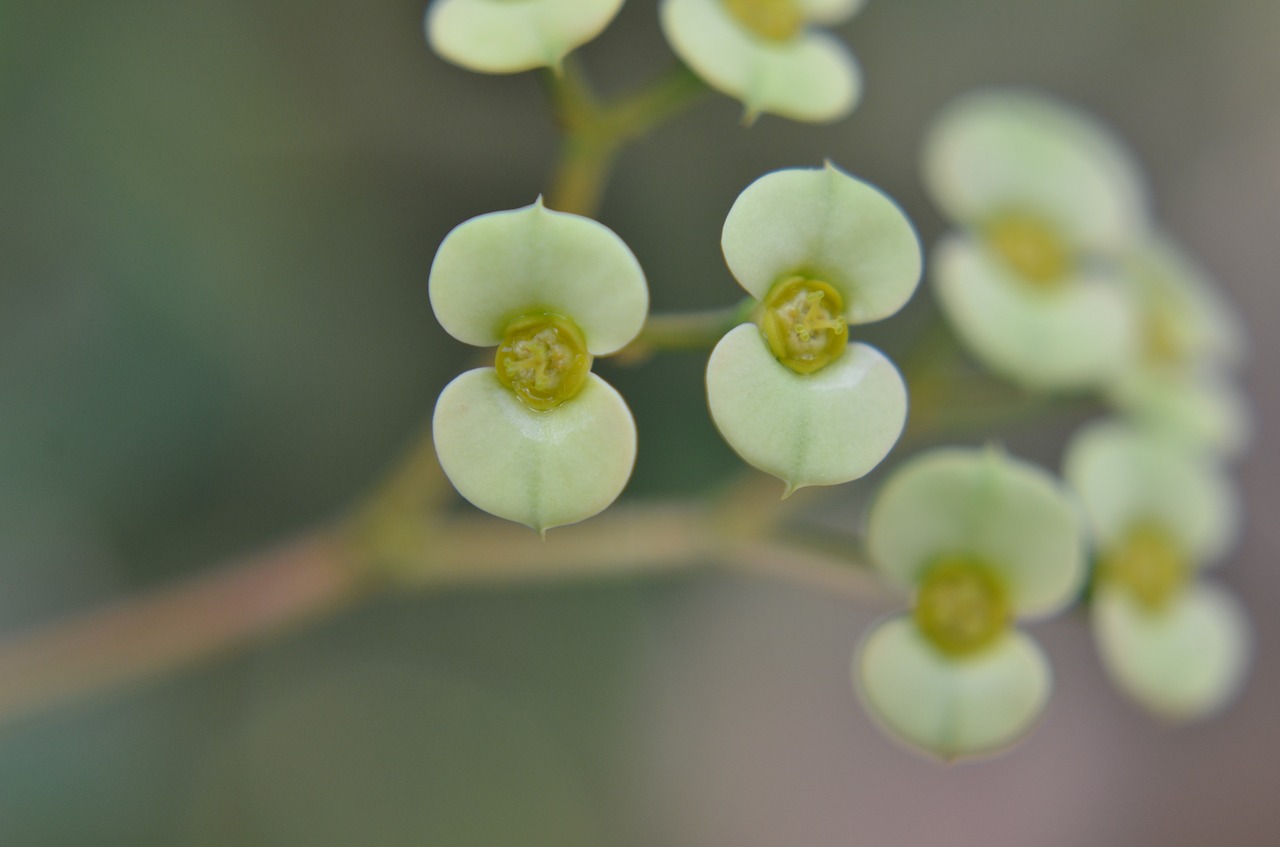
{"x": 792, "y": 396}
{"x": 983, "y": 540}
{"x": 508, "y": 36}
{"x": 764, "y": 53}
{"x": 537, "y": 439}
{"x": 1045, "y": 198}
{"x": 1190, "y": 338}
{"x": 1177, "y": 646}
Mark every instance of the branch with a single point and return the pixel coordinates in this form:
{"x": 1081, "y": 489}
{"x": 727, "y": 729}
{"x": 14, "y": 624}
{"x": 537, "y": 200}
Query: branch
{"x": 206, "y": 616}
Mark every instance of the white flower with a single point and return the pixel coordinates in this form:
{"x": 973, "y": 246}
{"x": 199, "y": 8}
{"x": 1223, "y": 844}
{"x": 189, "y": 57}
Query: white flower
{"x": 537, "y": 439}
{"x": 983, "y": 540}
{"x": 792, "y": 395}
{"x": 1160, "y": 514}
{"x": 1046, "y": 199}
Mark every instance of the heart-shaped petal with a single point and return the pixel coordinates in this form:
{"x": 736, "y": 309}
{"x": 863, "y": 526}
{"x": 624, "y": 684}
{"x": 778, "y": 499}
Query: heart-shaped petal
{"x": 500, "y": 266}
{"x": 541, "y": 469}
{"x": 952, "y": 707}
{"x": 508, "y": 36}
{"x": 1181, "y": 662}
{"x": 823, "y": 428}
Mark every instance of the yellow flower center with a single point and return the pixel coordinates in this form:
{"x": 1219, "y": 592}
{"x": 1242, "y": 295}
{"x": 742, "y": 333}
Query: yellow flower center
{"x": 774, "y": 20}
{"x": 803, "y": 322}
{"x": 1162, "y": 341}
{"x": 543, "y": 359}
{"x": 1147, "y": 564}
{"x": 1030, "y": 246}
{"x": 961, "y": 606}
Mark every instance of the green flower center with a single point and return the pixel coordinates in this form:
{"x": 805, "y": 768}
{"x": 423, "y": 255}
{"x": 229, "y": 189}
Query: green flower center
{"x": 1030, "y": 246}
{"x": 961, "y": 605}
{"x": 774, "y": 20}
{"x": 1147, "y": 564}
{"x": 543, "y": 358}
{"x": 803, "y": 322}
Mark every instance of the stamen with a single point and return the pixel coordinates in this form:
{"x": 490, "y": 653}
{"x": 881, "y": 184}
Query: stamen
{"x": 804, "y": 324}
{"x": 543, "y": 359}
{"x": 961, "y": 606}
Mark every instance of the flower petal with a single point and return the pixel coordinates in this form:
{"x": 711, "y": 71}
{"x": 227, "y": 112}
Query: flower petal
{"x": 1203, "y": 409}
{"x": 998, "y": 151}
{"x": 499, "y": 266}
{"x": 829, "y": 12}
{"x": 1011, "y": 515}
{"x": 948, "y": 706}
{"x": 508, "y": 36}
{"x": 1126, "y": 475}
{"x": 1191, "y": 320}
{"x": 822, "y": 428}
{"x": 823, "y": 223}
{"x": 541, "y": 469}
{"x": 1182, "y": 662}
{"x": 1078, "y": 334}
{"x": 811, "y": 77}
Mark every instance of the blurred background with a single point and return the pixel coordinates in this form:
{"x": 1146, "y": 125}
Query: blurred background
{"x": 216, "y": 220}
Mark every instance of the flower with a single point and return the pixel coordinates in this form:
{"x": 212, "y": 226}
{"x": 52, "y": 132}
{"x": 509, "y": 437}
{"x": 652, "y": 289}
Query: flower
{"x": 508, "y": 36}
{"x": 764, "y": 53}
{"x": 793, "y": 396}
{"x": 1190, "y": 337}
{"x": 1175, "y": 645}
{"x": 983, "y": 540}
{"x": 537, "y": 439}
{"x": 1046, "y": 199}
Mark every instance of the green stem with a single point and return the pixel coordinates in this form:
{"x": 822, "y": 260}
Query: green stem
{"x": 686, "y": 330}
{"x": 595, "y": 132}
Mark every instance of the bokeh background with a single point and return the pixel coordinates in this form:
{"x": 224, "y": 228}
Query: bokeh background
{"x": 216, "y": 220}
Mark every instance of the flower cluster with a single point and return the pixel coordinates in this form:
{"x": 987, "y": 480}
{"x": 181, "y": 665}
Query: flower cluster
{"x": 538, "y": 438}
{"x": 983, "y": 540}
{"x": 792, "y": 395}
{"x": 1058, "y": 279}
{"x": 1055, "y": 277}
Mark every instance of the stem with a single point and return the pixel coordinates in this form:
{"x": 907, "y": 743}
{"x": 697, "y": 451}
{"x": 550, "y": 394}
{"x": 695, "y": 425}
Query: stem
{"x": 594, "y": 133}
{"x": 320, "y": 573}
{"x": 685, "y": 330}
{"x": 206, "y": 616}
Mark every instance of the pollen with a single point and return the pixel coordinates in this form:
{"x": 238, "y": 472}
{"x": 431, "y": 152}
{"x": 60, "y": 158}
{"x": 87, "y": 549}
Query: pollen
{"x": 804, "y": 324}
{"x": 961, "y": 606}
{"x": 543, "y": 359}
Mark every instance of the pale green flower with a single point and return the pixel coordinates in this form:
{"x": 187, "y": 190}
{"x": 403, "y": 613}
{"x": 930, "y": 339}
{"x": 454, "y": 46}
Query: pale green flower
{"x": 983, "y": 540}
{"x": 1190, "y": 337}
{"x": 508, "y": 36}
{"x": 791, "y": 394}
{"x": 1160, "y": 514}
{"x": 1044, "y": 198}
{"x": 766, "y": 54}
{"x": 537, "y": 439}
